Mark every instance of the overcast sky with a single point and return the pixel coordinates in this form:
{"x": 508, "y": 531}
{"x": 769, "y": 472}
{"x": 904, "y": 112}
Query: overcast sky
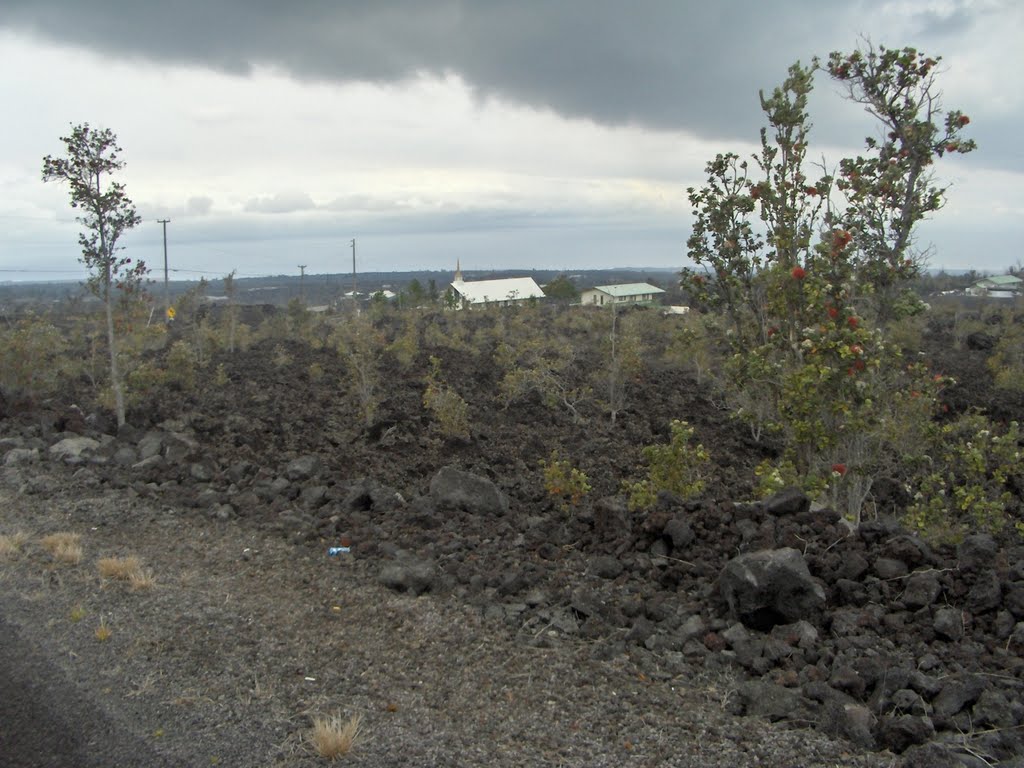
{"x": 504, "y": 133}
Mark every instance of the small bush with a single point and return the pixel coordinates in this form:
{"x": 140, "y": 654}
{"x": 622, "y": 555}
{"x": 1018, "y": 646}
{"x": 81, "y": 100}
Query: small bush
{"x": 965, "y": 483}
{"x": 449, "y": 409}
{"x": 32, "y": 359}
{"x": 564, "y": 482}
{"x": 678, "y": 468}
{"x": 1007, "y": 360}
{"x": 181, "y": 367}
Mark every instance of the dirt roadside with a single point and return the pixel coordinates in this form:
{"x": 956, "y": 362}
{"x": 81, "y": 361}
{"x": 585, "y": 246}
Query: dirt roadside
{"x": 244, "y": 638}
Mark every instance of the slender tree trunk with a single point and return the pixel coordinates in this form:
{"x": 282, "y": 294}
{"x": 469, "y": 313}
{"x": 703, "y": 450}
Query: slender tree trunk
{"x": 115, "y": 375}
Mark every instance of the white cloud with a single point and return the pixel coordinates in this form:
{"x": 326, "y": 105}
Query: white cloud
{"x": 236, "y": 158}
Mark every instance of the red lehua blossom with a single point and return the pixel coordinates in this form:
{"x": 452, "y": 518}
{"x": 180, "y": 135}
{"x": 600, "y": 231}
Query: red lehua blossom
{"x": 964, "y": 120}
{"x": 951, "y": 147}
{"x": 859, "y": 364}
{"x": 833, "y": 312}
{"x": 839, "y": 469}
{"x": 772, "y": 331}
{"x": 841, "y": 238}
{"x": 798, "y": 273}
{"x": 852, "y": 321}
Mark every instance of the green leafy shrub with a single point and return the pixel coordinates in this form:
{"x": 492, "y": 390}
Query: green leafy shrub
{"x": 450, "y": 411}
{"x": 1007, "y": 360}
{"x": 679, "y": 467}
{"x": 31, "y": 359}
{"x": 564, "y": 482}
{"x": 181, "y": 366}
{"x": 964, "y": 485}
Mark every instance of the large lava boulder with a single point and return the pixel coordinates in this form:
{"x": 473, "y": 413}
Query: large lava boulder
{"x": 770, "y": 587}
{"x": 452, "y": 488}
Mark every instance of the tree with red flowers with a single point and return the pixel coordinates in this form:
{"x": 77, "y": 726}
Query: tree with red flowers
{"x": 93, "y": 156}
{"x": 807, "y": 272}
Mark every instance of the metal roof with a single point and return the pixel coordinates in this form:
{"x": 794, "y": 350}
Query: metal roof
{"x": 507, "y": 289}
{"x": 628, "y": 289}
{"x": 1001, "y": 280}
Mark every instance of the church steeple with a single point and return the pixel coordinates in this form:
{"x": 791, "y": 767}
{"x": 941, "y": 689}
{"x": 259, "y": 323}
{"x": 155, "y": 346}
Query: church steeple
{"x": 458, "y": 272}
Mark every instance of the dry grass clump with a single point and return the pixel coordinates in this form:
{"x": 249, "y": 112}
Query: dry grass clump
{"x": 63, "y": 547}
{"x": 126, "y": 569}
{"x": 333, "y": 737}
{"x": 120, "y": 568}
{"x": 12, "y": 544}
{"x": 142, "y": 580}
{"x": 103, "y": 631}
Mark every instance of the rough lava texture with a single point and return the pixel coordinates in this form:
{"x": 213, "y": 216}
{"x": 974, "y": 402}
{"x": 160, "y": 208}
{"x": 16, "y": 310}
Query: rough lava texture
{"x": 305, "y": 564}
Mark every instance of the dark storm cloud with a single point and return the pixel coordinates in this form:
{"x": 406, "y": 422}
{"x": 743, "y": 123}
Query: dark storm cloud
{"x": 659, "y": 63}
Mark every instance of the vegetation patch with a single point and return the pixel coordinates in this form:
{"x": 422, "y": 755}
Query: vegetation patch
{"x": 333, "y": 736}
{"x": 63, "y": 547}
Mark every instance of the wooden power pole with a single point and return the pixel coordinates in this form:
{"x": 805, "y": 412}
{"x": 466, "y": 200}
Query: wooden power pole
{"x": 167, "y": 289}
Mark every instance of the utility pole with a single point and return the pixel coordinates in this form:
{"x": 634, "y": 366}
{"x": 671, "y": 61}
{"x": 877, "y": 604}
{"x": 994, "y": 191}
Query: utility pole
{"x": 167, "y": 290}
{"x": 302, "y": 283}
{"x": 353, "y": 269}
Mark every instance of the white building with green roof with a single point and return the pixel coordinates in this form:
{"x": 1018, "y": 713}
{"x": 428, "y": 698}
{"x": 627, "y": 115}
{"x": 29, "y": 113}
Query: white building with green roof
{"x": 998, "y": 287}
{"x": 625, "y": 294}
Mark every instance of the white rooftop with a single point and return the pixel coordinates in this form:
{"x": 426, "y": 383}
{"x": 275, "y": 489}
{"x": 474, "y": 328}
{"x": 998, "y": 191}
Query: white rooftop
{"x": 507, "y": 289}
{"x": 628, "y": 289}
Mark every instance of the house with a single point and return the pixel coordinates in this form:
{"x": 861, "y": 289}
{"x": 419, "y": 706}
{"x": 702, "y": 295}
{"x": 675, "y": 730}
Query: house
{"x": 502, "y": 293}
{"x": 624, "y": 295}
{"x": 998, "y": 287}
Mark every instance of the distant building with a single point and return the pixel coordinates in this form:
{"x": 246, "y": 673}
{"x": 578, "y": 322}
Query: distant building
{"x": 675, "y": 309}
{"x": 502, "y": 293}
{"x": 998, "y": 287}
{"x": 626, "y": 294}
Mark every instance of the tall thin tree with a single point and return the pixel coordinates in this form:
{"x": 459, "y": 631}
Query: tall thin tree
{"x": 93, "y": 156}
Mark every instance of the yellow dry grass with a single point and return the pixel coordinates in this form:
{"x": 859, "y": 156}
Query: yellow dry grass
{"x": 12, "y": 544}
{"x": 332, "y": 736}
{"x": 126, "y": 569}
{"x": 63, "y": 547}
{"x": 142, "y": 580}
{"x": 121, "y": 568}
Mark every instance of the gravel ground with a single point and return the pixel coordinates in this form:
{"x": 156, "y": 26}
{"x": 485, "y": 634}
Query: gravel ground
{"x": 243, "y": 639}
